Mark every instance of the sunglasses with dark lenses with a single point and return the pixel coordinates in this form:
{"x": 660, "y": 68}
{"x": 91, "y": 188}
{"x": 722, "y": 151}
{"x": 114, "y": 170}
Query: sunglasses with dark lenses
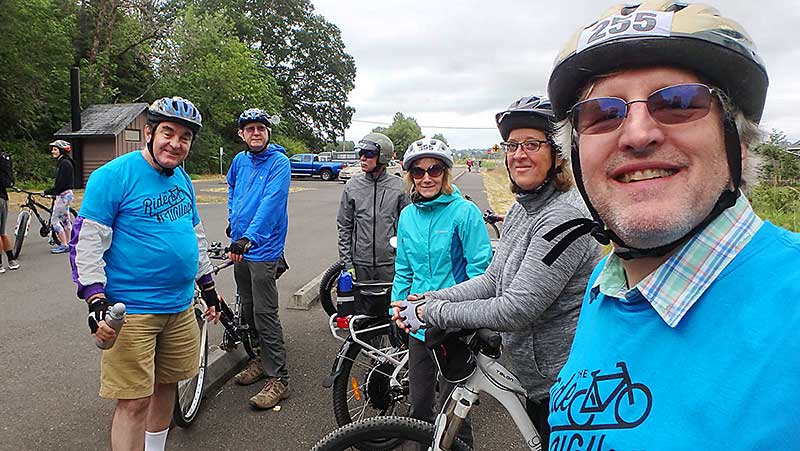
{"x": 435, "y": 170}
{"x": 677, "y": 104}
{"x": 368, "y": 149}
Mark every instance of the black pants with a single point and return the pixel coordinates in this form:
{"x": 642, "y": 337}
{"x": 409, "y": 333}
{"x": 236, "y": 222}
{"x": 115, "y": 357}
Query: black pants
{"x": 538, "y": 411}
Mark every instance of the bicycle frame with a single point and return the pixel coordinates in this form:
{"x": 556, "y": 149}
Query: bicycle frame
{"x": 494, "y": 379}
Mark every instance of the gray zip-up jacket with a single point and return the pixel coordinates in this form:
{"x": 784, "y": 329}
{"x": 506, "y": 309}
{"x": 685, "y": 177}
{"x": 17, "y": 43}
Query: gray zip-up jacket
{"x": 535, "y": 306}
{"x": 368, "y": 214}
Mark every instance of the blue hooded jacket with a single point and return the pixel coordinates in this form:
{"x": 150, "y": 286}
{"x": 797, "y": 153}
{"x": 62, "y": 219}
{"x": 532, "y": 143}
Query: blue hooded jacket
{"x": 258, "y": 193}
{"x": 440, "y": 243}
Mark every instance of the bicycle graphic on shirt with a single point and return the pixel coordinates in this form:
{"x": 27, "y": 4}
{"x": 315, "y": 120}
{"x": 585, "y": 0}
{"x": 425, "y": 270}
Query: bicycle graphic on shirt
{"x": 632, "y": 402}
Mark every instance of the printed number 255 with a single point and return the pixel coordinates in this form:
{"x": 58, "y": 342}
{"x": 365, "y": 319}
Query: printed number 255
{"x": 644, "y": 21}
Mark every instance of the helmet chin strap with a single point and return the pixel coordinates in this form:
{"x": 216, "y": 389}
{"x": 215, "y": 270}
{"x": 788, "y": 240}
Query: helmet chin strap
{"x": 164, "y": 170}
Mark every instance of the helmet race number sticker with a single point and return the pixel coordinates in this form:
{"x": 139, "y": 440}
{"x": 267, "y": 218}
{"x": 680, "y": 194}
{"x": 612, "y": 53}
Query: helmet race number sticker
{"x": 644, "y": 23}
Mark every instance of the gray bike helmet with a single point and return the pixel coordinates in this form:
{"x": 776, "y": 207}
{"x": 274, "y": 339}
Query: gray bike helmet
{"x": 423, "y": 148}
{"x": 527, "y": 112}
{"x": 377, "y": 142}
{"x": 175, "y": 109}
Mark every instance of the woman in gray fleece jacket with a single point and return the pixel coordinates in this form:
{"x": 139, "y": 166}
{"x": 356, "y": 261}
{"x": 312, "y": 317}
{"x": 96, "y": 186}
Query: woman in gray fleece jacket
{"x": 534, "y": 305}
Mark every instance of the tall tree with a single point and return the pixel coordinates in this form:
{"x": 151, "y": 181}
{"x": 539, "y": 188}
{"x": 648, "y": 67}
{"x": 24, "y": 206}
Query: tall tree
{"x": 403, "y": 131}
{"x": 440, "y": 137}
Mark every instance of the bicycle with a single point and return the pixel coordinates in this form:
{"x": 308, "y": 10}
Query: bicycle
{"x": 490, "y": 218}
{"x": 477, "y": 371}
{"x": 189, "y": 392}
{"x": 31, "y": 207}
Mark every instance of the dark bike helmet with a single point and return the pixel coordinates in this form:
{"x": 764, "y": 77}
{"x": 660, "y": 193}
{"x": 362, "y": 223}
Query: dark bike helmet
{"x": 695, "y": 37}
{"x": 62, "y": 145}
{"x": 172, "y": 109}
{"x": 529, "y": 112}
{"x": 257, "y": 115}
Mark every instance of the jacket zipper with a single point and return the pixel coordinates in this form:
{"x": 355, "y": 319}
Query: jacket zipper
{"x": 374, "y": 220}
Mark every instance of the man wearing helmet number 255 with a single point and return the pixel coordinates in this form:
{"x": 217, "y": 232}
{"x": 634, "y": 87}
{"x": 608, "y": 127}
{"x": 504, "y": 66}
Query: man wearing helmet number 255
{"x": 687, "y": 337}
{"x": 138, "y": 240}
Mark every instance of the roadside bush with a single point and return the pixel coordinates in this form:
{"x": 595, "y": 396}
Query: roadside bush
{"x": 778, "y": 204}
{"x": 32, "y": 162}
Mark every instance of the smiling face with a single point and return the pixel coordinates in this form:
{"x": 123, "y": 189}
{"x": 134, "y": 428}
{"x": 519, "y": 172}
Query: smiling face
{"x": 255, "y": 135}
{"x": 171, "y": 143}
{"x": 528, "y": 170}
{"x": 55, "y": 152}
{"x": 428, "y": 187}
{"x": 652, "y": 183}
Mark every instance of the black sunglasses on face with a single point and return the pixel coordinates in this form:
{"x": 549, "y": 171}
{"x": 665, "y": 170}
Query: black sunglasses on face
{"x": 434, "y": 170}
{"x": 368, "y": 149}
{"x": 677, "y": 104}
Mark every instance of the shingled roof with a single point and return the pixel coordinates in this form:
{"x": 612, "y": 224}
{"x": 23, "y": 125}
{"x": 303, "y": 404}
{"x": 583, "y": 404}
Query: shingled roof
{"x": 103, "y": 120}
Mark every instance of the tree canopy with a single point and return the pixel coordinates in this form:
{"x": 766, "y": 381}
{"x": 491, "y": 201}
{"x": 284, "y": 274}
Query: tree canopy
{"x": 403, "y": 131}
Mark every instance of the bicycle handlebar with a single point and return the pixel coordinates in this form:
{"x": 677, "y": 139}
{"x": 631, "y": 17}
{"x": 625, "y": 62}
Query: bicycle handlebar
{"x": 32, "y": 193}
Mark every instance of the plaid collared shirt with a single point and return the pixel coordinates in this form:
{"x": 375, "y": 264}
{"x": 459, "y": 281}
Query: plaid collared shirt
{"x": 674, "y": 287}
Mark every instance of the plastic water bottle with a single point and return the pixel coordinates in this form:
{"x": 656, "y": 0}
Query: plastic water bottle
{"x": 344, "y": 295}
{"x": 114, "y": 318}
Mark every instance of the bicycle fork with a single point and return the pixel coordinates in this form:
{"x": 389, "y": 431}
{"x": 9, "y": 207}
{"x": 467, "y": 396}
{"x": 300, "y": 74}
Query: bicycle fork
{"x": 448, "y": 423}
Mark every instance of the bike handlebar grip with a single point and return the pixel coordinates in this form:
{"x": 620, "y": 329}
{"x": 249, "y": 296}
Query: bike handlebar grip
{"x": 490, "y": 340}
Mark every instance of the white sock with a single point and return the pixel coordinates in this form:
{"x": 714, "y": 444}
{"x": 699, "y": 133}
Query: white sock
{"x": 155, "y": 441}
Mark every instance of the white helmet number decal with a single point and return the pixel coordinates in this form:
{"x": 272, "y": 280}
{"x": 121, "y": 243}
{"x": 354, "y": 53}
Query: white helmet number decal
{"x": 645, "y": 23}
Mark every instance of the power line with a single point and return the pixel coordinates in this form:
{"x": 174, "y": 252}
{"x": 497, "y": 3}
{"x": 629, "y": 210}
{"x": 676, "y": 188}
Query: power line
{"x": 429, "y": 126}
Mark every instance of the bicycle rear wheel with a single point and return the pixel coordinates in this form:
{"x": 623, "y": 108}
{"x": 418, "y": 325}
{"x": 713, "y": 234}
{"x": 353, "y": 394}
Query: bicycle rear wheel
{"x": 327, "y": 287}
{"x": 395, "y": 431}
{"x": 21, "y": 231}
{"x": 189, "y": 393}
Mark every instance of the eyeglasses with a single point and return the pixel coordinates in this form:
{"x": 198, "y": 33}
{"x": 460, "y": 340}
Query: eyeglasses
{"x": 529, "y": 146}
{"x": 368, "y": 149}
{"x": 254, "y": 128}
{"x": 677, "y": 104}
{"x": 434, "y": 170}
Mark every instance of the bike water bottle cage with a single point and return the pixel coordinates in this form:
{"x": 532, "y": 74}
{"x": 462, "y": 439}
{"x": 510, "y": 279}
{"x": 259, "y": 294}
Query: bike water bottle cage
{"x": 408, "y": 313}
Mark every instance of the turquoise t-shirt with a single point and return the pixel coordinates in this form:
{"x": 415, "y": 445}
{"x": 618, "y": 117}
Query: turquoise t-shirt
{"x": 727, "y": 377}
{"x": 153, "y": 259}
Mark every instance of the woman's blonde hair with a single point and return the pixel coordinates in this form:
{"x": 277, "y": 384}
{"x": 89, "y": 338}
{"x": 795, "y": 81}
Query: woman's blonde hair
{"x": 447, "y": 182}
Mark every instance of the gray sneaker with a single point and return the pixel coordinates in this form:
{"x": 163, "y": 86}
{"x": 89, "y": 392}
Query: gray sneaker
{"x": 273, "y": 392}
{"x": 12, "y": 265}
{"x": 252, "y": 374}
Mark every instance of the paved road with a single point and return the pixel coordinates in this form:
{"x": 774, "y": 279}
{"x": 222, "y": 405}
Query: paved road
{"x": 48, "y": 398}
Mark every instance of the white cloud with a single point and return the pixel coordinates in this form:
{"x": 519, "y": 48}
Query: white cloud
{"x": 457, "y": 63}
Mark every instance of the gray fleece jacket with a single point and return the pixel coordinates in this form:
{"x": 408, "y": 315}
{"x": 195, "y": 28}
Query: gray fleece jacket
{"x": 535, "y": 307}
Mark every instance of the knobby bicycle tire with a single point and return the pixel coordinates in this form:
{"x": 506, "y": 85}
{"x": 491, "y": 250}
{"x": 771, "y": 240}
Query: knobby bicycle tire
{"x": 189, "y": 393}
{"x": 366, "y": 383}
{"x": 327, "y": 285}
{"x": 19, "y": 233}
{"x": 392, "y": 430}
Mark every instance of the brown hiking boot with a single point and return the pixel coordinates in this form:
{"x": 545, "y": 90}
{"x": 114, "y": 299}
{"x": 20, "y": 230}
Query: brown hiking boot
{"x": 273, "y": 392}
{"x": 253, "y": 373}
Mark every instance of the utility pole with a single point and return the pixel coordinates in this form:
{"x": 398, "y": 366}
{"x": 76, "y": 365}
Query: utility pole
{"x": 220, "y": 161}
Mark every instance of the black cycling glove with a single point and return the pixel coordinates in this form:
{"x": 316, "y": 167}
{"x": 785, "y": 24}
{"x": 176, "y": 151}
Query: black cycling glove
{"x": 98, "y": 309}
{"x": 209, "y": 293}
{"x": 240, "y": 246}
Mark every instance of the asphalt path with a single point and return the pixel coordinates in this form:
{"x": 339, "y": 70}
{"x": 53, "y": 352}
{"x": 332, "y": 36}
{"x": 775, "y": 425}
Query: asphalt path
{"x": 50, "y": 366}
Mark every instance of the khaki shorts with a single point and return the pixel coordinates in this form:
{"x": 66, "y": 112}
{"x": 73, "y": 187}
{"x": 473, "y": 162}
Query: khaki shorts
{"x": 149, "y": 349}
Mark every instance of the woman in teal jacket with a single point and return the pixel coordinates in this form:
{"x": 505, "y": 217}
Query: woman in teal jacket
{"x": 441, "y": 241}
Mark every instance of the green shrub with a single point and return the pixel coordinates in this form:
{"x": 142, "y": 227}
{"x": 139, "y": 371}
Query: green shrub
{"x": 778, "y": 204}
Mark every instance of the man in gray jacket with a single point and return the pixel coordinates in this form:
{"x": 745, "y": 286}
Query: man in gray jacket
{"x": 368, "y": 212}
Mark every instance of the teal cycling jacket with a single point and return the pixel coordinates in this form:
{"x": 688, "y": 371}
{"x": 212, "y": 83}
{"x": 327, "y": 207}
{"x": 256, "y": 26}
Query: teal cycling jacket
{"x": 440, "y": 243}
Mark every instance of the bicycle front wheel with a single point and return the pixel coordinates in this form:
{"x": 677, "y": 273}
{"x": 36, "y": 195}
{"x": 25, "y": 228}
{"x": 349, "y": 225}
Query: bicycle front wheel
{"x": 397, "y": 432}
{"x": 190, "y": 391}
{"x": 23, "y": 221}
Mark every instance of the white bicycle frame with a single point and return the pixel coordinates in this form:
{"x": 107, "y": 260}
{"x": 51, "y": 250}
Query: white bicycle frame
{"x": 493, "y": 378}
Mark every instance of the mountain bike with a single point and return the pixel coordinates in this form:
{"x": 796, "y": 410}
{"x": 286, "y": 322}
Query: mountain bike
{"x": 475, "y": 368}
{"x": 30, "y": 208}
{"x": 369, "y": 375}
{"x": 189, "y": 392}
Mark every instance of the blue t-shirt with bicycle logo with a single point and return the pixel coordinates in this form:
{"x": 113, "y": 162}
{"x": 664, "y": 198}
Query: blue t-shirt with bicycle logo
{"x": 725, "y": 377}
{"x": 152, "y": 262}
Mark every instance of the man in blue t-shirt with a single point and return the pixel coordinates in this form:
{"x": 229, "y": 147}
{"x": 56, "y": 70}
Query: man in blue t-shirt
{"x": 258, "y": 193}
{"x": 138, "y": 240}
{"x": 687, "y": 337}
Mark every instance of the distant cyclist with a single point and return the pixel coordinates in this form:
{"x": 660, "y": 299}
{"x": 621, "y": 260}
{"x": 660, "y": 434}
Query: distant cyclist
{"x": 441, "y": 241}
{"x": 368, "y": 212}
{"x": 258, "y": 195}
{"x": 138, "y": 240}
{"x": 535, "y": 305}
{"x": 688, "y": 336}
{"x": 61, "y": 151}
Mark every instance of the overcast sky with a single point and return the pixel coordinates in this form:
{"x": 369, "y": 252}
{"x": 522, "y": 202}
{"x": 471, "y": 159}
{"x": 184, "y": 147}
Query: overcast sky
{"x": 455, "y": 63}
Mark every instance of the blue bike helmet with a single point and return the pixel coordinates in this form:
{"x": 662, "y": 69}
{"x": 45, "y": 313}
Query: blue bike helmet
{"x": 257, "y": 115}
{"x": 175, "y": 109}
